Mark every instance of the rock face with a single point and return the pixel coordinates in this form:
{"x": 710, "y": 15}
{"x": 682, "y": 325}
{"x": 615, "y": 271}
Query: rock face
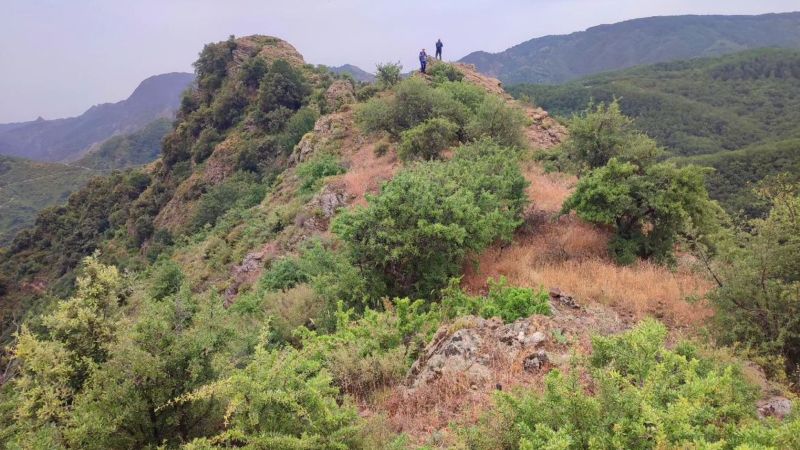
{"x": 474, "y": 350}
{"x": 777, "y": 406}
{"x": 339, "y": 94}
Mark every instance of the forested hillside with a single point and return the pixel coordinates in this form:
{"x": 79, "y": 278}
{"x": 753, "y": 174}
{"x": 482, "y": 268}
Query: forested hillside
{"x": 741, "y": 111}
{"x": 317, "y": 263}
{"x": 557, "y": 59}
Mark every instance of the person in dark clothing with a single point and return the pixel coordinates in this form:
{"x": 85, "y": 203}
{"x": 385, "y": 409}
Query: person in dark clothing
{"x": 423, "y": 60}
{"x": 439, "y": 46}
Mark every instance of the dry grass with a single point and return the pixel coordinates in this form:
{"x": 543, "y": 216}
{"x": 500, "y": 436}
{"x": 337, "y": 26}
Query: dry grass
{"x": 367, "y": 171}
{"x": 571, "y": 255}
{"x": 547, "y": 190}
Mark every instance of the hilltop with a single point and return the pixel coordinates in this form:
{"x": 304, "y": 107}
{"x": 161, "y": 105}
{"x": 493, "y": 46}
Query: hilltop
{"x": 316, "y": 263}
{"x": 557, "y": 59}
{"x": 68, "y": 139}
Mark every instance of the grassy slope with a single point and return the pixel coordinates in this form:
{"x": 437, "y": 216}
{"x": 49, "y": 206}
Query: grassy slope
{"x": 748, "y": 103}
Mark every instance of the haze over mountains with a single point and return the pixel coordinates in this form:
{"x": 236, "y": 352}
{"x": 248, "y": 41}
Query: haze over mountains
{"x": 556, "y": 59}
{"x": 68, "y": 139}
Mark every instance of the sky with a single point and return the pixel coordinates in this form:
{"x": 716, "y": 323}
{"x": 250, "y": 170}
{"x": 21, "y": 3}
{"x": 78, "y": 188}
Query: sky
{"x": 59, "y": 57}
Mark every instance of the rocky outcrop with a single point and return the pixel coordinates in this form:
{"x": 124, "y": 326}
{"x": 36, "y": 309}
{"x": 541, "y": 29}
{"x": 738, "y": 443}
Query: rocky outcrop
{"x": 477, "y": 348}
{"x": 339, "y": 94}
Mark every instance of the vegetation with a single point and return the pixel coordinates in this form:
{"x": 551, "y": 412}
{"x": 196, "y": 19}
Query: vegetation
{"x": 504, "y": 301}
{"x": 642, "y": 396}
{"x": 737, "y": 114}
{"x": 417, "y": 233}
{"x": 647, "y": 205}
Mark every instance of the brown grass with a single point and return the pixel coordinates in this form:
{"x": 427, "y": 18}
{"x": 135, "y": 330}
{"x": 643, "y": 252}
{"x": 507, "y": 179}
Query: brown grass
{"x": 367, "y": 171}
{"x": 547, "y": 191}
{"x": 571, "y": 255}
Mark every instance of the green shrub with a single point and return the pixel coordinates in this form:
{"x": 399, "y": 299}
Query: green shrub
{"x": 601, "y": 133}
{"x": 640, "y": 395}
{"x": 167, "y": 280}
{"x": 366, "y": 92}
{"x": 427, "y": 140}
{"x": 414, "y": 236}
{"x": 756, "y": 300}
{"x": 467, "y": 94}
{"x": 498, "y": 121}
{"x": 313, "y": 171}
{"x": 296, "y": 127}
{"x": 388, "y": 74}
{"x": 508, "y": 303}
{"x": 283, "y": 274}
{"x": 443, "y": 72}
{"x": 241, "y": 190}
{"x": 283, "y": 86}
{"x": 375, "y": 350}
{"x": 204, "y": 145}
{"x": 648, "y": 209}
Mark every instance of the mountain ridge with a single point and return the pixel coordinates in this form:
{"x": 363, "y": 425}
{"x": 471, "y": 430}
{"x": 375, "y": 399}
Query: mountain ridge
{"x": 66, "y": 139}
{"x": 560, "y": 58}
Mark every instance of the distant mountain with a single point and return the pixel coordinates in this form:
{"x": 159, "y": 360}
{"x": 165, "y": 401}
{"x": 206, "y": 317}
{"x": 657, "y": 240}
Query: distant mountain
{"x": 737, "y": 113}
{"x": 358, "y": 73}
{"x": 556, "y": 59}
{"x": 68, "y": 139}
{"x": 128, "y": 150}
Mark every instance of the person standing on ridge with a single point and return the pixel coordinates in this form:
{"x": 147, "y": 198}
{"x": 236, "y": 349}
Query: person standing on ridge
{"x": 439, "y": 46}
{"x": 423, "y": 60}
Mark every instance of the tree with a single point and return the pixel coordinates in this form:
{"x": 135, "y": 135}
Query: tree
{"x": 646, "y": 208}
{"x": 601, "y": 133}
{"x": 284, "y": 86}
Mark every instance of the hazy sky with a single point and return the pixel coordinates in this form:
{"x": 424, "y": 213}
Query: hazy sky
{"x": 58, "y": 57}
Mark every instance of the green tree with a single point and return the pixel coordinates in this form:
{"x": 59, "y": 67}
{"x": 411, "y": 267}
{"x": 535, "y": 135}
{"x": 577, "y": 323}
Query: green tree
{"x": 648, "y": 209}
{"x": 601, "y": 133}
{"x": 388, "y": 74}
{"x": 284, "y": 86}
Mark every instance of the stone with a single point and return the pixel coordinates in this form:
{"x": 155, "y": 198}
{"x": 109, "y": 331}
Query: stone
{"x": 535, "y": 361}
{"x": 536, "y": 339}
{"x": 776, "y": 406}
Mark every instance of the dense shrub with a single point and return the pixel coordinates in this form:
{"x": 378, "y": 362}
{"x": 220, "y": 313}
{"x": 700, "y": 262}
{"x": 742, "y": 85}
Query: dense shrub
{"x": 601, "y": 133}
{"x": 167, "y": 280}
{"x": 283, "y": 274}
{"x": 242, "y": 190}
{"x": 296, "y": 127}
{"x": 427, "y": 140}
{"x": 648, "y": 209}
{"x": 388, "y": 74}
{"x": 496, "y": 120}
{"x": 205, "y": 143}
{"x": 313, "y": 171}
{"x": 758, "y": 276}
{"x": 508, "y": 303}
{"x": 642, "y": 396}
{"x": 283, "y": 86}
{"x": 442, "y": 72}
{"x": 418, "y": 231}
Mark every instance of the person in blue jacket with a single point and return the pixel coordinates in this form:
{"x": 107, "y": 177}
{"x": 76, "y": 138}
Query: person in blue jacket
{"x": 423, "y": 60}
{"x": 439, "y": 46}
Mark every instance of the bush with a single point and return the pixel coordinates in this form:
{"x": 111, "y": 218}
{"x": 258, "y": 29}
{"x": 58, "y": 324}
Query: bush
{"x": 241, "y": 190}
{"x": 388, "y": 74}
{"x": 427, "y": 140}
{"x": 296, "y": 127}
{"x": 640, "y": 395}
{"x": 496, "y": 120}
{"x": 508, "y": 303}
{"x": 601, "y": 133}
{"x": 467, "y": 94}
{"x": 283, "y": 274}
{"x": 204, "y": 145}
{"x": 442, "y": 72}
{"x": 167, "y": 280}
{"x": 284, "y": 86}
{"x": 414, "y": 236}
{"x": 756, "y": 300}
{"x": 648, "y": 209}
{"x": 313, "y": 171}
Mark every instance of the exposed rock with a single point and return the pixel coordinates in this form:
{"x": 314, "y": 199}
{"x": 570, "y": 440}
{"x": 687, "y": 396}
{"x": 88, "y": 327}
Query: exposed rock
{"x": 777, "y": 406}
{"x": 535, "y": 361}
{"x": 340, "y": 93}
{"x": 326, "y": 129}
{"x": 331, "y": 199}
{"x": 563, "y": 299}
{"x": 474, "y": 350}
